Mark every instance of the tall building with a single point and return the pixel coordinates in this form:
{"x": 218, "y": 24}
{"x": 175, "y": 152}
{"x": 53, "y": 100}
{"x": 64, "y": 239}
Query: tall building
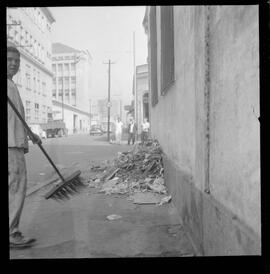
{"x": 71, "y": 87}
{"x": 29, "y": 29}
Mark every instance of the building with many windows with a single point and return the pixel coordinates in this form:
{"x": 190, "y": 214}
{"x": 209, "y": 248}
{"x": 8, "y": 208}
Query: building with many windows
{"x": 29, "y": 29}
{"x": 71, "y": 87}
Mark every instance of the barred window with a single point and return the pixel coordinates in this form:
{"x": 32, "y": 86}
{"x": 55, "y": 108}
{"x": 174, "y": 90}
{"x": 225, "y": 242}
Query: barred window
{"x": 153, "y": 56}
{"x": 167, "y": 47}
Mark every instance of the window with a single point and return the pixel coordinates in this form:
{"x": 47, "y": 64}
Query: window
{"x": 66, "y": 67}
{"x": 44, "y": 88}
{"x": 72, "y": 67}
{"x": 44, "y": 114}
{"x": 54, "y": 93}
{"x": 67, "y": 96}
{"x": 36, "y": 111}
{"x": 54, "y": 69}
{"x": 66, "y": 81}
{"x": 27, "y": 110}
{"x": 38, "y": 83}
{"x": 34, "y": 84}
{"x": 60, "y": 68}
{"x": 153, "y": 56}
{"x": 73, "y": 80}
{"x": 167, "y": 47}
{"x": 27, "y": 77}
{"x": 60, "y": 82}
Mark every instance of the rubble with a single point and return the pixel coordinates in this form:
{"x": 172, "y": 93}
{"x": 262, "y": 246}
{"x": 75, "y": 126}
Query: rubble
{"x": 138, "y": 171}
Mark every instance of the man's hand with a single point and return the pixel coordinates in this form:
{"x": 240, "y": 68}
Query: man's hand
{"x": 36, "y": 139}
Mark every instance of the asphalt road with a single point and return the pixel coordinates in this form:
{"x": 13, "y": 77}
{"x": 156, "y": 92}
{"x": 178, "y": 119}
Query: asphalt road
{"x": 75, "y": 150}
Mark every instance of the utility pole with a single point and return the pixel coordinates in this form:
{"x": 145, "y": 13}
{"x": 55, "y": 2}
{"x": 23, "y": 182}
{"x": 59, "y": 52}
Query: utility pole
{"x": 90, "y": 113}
{"x": 63, "y": 92}
{"x": 135, "y": 81}
{"x": 109, "y": 97}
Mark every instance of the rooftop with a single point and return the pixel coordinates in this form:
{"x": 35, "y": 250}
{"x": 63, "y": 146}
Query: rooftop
{"x": 61, "y": 48}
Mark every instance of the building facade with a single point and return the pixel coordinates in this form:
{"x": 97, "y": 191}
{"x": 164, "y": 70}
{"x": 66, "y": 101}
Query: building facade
{"x": 204, "y": 109}
{"x": 29, "y": 29}
{"x": 71, "y": 87}
{"x": 142, "y": 94}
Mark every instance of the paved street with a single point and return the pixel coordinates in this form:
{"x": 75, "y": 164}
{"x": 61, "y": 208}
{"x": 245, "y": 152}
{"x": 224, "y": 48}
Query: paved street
{"x": 78, "y": 228}
{"x": 74, "y": 150}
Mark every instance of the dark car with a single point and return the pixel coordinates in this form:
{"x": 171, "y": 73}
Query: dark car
{"x": 96, "y": 130}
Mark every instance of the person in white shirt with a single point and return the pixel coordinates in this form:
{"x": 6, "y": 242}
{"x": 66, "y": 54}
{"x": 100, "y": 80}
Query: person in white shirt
{"x": 132, "y": 129}
{"x": 118, "y": 131}
{"x": 145, "y": 130}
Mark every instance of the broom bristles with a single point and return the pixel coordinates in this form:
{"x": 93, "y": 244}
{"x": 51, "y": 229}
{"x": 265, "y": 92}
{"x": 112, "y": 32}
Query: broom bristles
{"x": 65, "y": 190}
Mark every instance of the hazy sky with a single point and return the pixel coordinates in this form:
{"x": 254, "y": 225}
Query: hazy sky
{"x": 107, "y": 32}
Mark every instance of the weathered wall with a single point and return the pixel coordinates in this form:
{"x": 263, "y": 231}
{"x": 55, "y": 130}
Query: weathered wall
{"x": 223, "y": 46}
{"x": 171, "y": 108}
{"x": 234, "y": 105}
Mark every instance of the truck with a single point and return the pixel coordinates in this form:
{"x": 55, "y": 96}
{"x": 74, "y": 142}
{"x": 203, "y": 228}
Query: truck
{"x": 55, "y": 128}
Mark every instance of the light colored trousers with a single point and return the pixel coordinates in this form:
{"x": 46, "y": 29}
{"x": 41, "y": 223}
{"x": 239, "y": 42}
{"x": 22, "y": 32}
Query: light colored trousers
{"x": 17, "y": 180}
{"x": 118, "y": 135}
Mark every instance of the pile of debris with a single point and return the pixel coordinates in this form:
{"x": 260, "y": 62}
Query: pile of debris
{"x": 138, "y": 173}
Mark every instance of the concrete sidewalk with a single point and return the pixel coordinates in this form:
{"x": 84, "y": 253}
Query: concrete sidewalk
{"x": 78, "y": 228}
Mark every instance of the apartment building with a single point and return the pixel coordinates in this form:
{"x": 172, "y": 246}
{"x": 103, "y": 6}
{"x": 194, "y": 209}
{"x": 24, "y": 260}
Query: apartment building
{"x": 29, "y": 29}
{"x": 71, "y": 87}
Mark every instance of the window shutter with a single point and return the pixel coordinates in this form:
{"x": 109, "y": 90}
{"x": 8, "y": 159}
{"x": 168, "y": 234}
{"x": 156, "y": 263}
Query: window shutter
{"x": 153, "y": 56}
{"x": 167, "y": 48}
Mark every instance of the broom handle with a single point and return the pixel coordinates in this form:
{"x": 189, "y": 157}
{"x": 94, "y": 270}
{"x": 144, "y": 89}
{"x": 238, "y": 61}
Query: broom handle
{"x": 31, "y": 135}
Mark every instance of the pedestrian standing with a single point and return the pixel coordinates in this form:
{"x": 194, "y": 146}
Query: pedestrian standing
{"x": 132, "y": 129}
{"x": 17, "y": 147}
{"x": 118, "y": 131}
{"x": 145, "y": 130}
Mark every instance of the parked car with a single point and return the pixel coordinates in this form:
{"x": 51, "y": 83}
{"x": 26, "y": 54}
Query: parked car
{"x": 96, "y": 130}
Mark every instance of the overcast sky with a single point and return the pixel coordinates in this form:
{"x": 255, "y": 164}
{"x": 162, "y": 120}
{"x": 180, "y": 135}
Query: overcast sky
{"x": 107, "y": 32}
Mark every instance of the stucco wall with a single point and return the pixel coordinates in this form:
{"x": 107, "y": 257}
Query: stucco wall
{"x": 234, "y": 96}
{"x": 223, "y": 42}
{"x": 171, "y": 109}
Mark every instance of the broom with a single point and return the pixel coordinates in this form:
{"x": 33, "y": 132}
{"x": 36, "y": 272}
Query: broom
{"x": 70, "y": 185}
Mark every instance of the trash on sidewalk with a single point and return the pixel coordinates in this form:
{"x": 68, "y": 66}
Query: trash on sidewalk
{"x": 165, "y": 200}
{"x": 112, "y": 186}
{"x": 158, "y": 185}
{"x": 114, "y": 217}
{"x": 139, "y": 170}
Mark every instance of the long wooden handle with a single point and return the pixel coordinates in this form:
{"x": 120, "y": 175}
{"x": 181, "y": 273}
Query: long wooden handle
{"x": 31, "y": 134}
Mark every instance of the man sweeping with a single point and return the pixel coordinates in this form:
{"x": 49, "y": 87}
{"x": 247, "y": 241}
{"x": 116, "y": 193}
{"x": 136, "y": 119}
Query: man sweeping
{"x": 17, "y": 147}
